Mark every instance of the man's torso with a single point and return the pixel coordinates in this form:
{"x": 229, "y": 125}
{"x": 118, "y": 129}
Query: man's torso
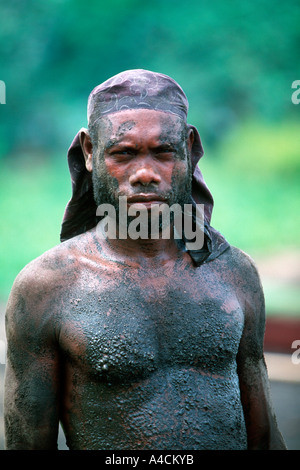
{"x": 150, "y": 356}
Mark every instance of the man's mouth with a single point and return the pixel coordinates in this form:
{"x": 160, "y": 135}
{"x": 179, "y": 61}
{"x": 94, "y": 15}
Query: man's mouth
{"x": 145, "y": 199}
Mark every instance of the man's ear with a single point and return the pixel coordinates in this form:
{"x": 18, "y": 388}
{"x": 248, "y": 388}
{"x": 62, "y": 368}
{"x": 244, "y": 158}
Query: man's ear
{"x": 87, "y": 148}
{"x": 190, "y": 139}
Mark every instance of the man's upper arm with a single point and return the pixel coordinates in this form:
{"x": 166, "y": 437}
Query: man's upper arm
{"x": 31, "y": 404}
{"x": 262, "y": 429}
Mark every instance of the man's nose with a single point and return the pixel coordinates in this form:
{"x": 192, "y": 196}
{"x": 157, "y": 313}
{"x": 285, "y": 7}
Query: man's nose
{"x": 145, "y": 176}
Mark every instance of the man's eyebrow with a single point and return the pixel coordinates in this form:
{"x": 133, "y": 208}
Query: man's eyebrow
{"x": 165, "y": 146}
{"x": 112, "y": 143}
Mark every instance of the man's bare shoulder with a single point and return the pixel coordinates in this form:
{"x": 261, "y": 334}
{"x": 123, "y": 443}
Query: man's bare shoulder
{"x": 244, "y": 276}
{"x": 53, "y": 270}
{"x": 242, "y": 267}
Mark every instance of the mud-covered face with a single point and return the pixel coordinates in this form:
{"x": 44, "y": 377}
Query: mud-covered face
{"x": 143, "y": 155}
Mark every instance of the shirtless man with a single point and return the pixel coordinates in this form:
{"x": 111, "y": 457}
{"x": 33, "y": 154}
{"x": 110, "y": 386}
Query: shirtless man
{"x": 137, "y": 343}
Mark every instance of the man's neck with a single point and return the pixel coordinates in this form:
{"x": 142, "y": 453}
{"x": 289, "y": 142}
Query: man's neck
{"x": 142, "y": 252}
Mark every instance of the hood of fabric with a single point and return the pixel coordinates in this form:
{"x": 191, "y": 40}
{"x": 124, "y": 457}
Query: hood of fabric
{"x": 135, "y": 89}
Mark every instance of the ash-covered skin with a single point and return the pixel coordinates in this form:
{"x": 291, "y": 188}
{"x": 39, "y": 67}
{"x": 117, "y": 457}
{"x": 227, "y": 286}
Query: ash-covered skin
{"x": 133, "y": 358}
{"x": 145, "y": 364}
{"x": 106, "y": 188}
{"x": 161, "y": 386}
{"x": 174, "y": 131}
{"x": 135, "y": 347}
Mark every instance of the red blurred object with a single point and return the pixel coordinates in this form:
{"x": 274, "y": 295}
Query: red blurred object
{"x": 280, "y": 334}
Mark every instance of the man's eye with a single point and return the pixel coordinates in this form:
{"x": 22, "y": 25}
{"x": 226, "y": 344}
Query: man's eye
{"x": 122, "y": 153}
{"x": 165, "y": 153}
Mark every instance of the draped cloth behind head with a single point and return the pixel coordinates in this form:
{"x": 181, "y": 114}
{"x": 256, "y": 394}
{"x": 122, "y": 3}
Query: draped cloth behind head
{"x": 135, "y": 89}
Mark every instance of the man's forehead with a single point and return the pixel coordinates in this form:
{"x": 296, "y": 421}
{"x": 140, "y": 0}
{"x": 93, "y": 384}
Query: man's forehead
{"x": 135, "y": 122}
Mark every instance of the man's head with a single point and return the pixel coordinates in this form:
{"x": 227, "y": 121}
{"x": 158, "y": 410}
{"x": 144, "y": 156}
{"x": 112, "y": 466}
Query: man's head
{"x": 138, "y": 142}
{"x": 141, "y": 154}
{"x": 153, "y": 102}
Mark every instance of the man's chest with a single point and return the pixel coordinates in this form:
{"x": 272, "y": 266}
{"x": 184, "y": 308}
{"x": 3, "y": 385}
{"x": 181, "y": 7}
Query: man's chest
{"x": 124, "y": 331}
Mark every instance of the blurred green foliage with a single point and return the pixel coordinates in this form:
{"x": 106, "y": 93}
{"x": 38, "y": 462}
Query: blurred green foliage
{"x": 236, "y": 62}
{"x": 264, "y": 149}
{"x": 254, "y": 175}
{"x": 233, "y": 59}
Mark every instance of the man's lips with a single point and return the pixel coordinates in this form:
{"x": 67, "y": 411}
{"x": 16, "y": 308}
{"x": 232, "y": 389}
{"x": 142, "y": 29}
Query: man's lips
{"x": 145, "y": 199}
